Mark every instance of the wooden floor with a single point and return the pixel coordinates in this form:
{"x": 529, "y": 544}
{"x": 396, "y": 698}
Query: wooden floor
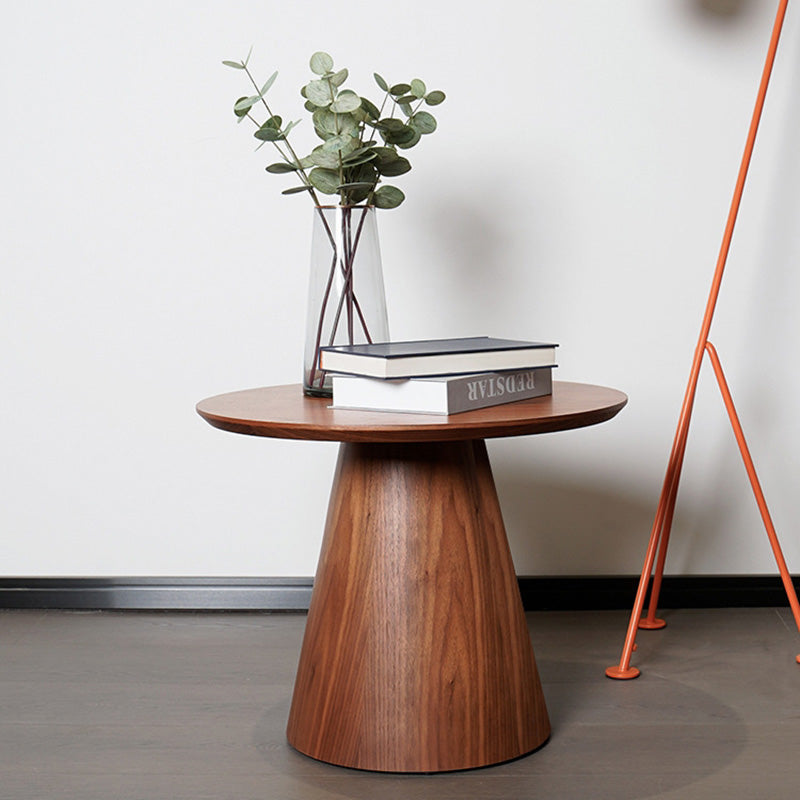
{"x": 182, "y": 706}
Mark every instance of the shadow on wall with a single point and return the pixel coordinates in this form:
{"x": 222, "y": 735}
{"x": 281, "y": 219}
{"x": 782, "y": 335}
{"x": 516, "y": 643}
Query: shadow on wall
{"x": 720, "y": 9}
{"x": 482, "y": 247}
{"x": 472, "y": 246}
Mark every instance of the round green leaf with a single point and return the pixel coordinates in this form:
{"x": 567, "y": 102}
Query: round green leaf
{"x": 388, "y": 197}
{"x": 408, "y": 98}
{"x": 345, "y": 102}
{"x": 370, "y": 108}
{"x": 267, "y": 134}
{"x": 400, "y": 88}
{"x": 324, "y": 158}
{"x": 348, "y": 123}
{"x": 359, "y": 115}
{"x": 356, "y": 196}
{"x": 378, "y": 79}
{"x": 393, "y": 168}
{"x": 324, "y": 120}
{"x": 326, "y": 180}
{"x": 343, "y": 143}
{"x": 321, "y": 63}
{"x": 385, "y": 155}
{"x": 239, "y": 109}
{"x": 329, "y": 123}
{"x": 399, "y": 136}
{"x": 246, "y": 103}
{"x": 418, "y": 88}
{"x": 358, "y": 183}
{"x": 423, "y": 122}
{"x": 390, "y": 124}
{"x": 434, "y": 98}
{"x": 363, "y": 173}
{"x": 234, "y": 64}
{"x": 281, "y": 168}
{"x": 340, "y": 77}
{"x": 296, "y": 189}
{"x": 410, "y": 141}
{"x": 319, "y": 93}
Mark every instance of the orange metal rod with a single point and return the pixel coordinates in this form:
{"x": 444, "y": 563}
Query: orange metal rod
{"x": 717, "y": 281}
{"x": 624, "y": 670}
{"x": 754, "y": 482}
{"x": 669, "y": 491}
{"x": 651, "y": 622}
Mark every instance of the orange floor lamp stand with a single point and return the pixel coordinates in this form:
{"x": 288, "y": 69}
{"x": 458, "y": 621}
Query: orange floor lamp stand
{"x": 659, "y": 537}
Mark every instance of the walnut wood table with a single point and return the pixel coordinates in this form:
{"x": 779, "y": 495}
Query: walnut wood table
{"x": 416, "y": 656}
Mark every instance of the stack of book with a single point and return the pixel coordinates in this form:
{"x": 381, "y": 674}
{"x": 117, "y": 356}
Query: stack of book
{"x": 438, "y": 376}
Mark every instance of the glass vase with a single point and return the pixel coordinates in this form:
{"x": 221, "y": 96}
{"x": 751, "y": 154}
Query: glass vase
{"x": 346, "y": 296}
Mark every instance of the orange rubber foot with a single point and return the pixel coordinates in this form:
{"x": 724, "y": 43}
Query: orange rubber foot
{"x": 619, "y": 674}
{"x": 652, "y": 624}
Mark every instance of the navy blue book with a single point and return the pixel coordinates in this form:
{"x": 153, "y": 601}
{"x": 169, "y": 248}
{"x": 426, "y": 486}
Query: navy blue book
{"x": 436, "y": 357}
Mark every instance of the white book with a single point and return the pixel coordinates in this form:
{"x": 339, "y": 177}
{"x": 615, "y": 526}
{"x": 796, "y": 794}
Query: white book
{"x": 440, "y": 395}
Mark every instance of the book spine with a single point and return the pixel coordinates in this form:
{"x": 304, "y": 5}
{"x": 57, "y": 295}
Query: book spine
{"x": 483, "y": 391}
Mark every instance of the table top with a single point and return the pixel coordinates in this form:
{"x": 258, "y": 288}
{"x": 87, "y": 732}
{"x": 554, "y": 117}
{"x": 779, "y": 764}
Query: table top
{"x": 284, "y": 412}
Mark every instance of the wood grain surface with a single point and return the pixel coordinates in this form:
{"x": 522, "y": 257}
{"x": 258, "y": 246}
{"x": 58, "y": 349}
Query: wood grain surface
{"x": 284, "y": 412}
{"x": 416, "y": 655}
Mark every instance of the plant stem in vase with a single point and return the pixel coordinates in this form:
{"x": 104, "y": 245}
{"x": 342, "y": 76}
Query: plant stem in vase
{"x": 346, "y": 297}
{"x": 359, "y": 144}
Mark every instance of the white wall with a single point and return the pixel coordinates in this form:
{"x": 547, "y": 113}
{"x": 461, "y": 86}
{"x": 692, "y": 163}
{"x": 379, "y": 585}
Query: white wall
{"x": 576, "y": 190}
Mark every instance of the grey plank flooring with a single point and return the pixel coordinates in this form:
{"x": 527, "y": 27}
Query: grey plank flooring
{"x": 185, "y": 706}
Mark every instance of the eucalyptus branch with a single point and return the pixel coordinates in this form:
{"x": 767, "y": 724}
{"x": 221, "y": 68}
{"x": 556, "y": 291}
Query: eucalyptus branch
{"x": 351, "y": 162}
{"x": 342, "y": 199}
{"x": 294, "y": 155}
{"x": 380, "y": 112}
{"x": 258, "y": 91}
{"x": 277, "y": 147}
{"x": 347, "y": 163}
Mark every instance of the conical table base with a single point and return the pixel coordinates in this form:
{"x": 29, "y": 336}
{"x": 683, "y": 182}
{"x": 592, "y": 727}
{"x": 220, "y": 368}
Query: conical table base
{"x": 416, "y": 655}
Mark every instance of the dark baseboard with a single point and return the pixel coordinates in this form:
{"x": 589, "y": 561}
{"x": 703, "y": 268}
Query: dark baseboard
{"x": 173, "y": 594}
{"x": 559, "y": 593}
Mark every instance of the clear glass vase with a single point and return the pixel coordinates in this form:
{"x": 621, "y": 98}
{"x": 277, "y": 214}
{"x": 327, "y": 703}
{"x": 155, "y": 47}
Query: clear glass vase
{"x": 346, "y": 296}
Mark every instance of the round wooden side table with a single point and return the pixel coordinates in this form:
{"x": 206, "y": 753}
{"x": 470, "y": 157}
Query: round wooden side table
{"x": 416, "y": 655}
